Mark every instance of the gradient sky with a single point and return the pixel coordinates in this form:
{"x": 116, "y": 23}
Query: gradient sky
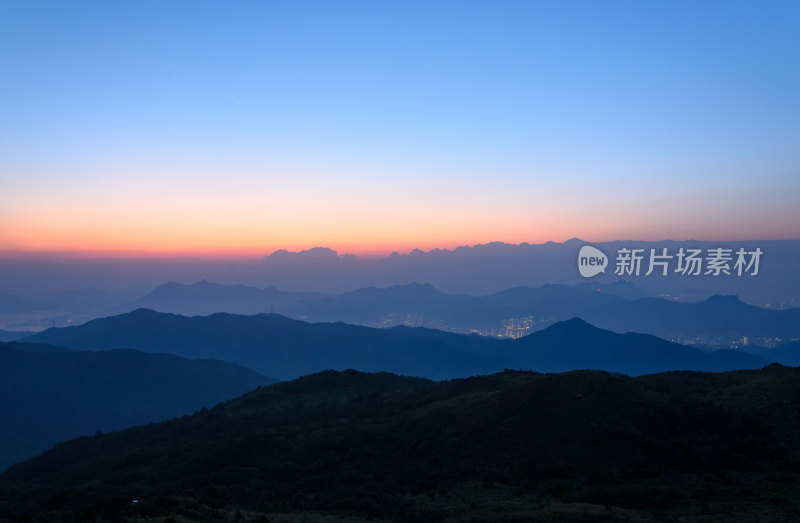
{"x": 220, "y": 127}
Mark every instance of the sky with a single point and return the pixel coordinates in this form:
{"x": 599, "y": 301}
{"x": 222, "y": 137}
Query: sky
{"x": 166, "y": 127}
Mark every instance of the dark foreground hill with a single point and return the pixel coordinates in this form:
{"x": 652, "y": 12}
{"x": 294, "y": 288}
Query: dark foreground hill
{"x": 515, "y": 446}
{"x": 49, "y": 394}
{"x": 278, "y": 346}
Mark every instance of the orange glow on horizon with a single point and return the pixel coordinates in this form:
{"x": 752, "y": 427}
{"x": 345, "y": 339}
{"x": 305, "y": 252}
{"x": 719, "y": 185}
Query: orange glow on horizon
{"x": 367, "y": 237}
{"x": 241, "y": 230}
{"x": 364, "y": 250}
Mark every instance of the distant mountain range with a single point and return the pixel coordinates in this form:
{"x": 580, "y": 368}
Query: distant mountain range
{"x": 284, "y": 348}
{"x": 717, "y": 317}
{"x": 513, "y": 446}
{"x": 205, "y": 298}
{"x": 618, "y": 306}
{"x": 719, "y": 321}
{"x": 475, "y": 270}
{"x": 432, "y": 308}
{"x": 490, "y": 267}
{"x": 49, "y": 393}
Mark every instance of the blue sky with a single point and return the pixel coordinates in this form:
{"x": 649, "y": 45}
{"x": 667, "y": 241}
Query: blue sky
{"x": 473, "y": 121}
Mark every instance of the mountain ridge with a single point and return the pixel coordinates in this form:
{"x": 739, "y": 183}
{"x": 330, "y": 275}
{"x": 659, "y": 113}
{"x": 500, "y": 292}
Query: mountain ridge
{"x": 48, "y": 394}
{"x": 660, "y": 447}
{"x": 616, "y": 306}
{"x": 286, "y": 348}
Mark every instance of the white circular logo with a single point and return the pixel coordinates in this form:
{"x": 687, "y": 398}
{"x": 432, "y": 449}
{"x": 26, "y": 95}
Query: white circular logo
{"x": 591, "y": 261}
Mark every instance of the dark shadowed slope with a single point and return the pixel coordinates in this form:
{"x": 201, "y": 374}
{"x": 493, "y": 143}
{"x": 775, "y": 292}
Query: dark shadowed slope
{"x": 503, "y": 447}
{"x": 13, "y": 335}
{"x": 47, "y": 395}
{"x": 285, "y": 348}
{"x": 574, "y": 344}
{"x": 718, "y": 316}
{"x": 269, "y": 343}
{"x": 785, "y": 353}
{"x": 34, "y": 347}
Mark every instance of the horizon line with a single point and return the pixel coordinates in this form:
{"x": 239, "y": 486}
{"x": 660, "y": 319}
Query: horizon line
{"x": 363, "y": 252}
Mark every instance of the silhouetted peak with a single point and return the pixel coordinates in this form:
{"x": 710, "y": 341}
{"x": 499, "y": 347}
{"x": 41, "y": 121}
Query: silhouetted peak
{"x": 572, "y": 324}
{"x": 408, "y": 290}
{"x": 172, "y": 287}
{"x": 415, "y": 287}
{"x": 138, "y": 317}
{"x": 573, "y": 241}
{"x": 572, "y": 328}
{"x": 730, "y": 301}
{"x": 312, "y": 253}
{"x": 142, "y": 313}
